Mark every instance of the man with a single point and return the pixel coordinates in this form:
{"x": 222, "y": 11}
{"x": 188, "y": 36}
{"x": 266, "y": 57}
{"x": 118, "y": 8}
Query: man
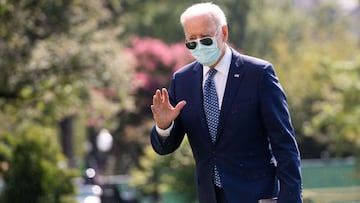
{"x": 234, "y": 112}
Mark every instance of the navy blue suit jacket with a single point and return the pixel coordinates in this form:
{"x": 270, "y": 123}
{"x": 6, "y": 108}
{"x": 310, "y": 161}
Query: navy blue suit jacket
{"x": 254, "y": 128}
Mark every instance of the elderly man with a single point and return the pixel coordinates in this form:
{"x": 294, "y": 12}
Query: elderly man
{"x": 234, "y": 112}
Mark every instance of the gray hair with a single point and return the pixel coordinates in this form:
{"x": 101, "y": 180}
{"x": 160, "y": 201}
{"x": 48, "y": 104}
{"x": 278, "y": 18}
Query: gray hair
{"x": 204, "y": 8}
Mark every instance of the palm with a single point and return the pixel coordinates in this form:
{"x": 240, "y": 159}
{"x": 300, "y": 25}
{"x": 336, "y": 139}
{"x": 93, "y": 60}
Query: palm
{"x": 164, "y": 113}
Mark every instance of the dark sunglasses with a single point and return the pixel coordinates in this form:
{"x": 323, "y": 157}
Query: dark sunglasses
{"x": 207, "y": 41}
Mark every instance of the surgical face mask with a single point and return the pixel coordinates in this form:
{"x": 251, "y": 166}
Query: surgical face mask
{"x": 204, "y": 50}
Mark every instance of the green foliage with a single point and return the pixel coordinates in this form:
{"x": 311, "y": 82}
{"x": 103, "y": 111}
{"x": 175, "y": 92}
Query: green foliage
{"x": 237, "y": 13}
{"x": 23, "y": 23}
{"x": 76, "y": 68}
{"x": 269, "y": 19}
{"x": 57, "y": 59}
{"x": 338, "y": 111}
{"x": 161, "y": 19}
{"x": 158, "y": 19}
{"x": 320, "y": 77}
{"x": 61, "y": 55}
{"x": 164, "y": 174}
{"x": 35, "y": 173}
{"x": 5, "y": 149}
{"x": 64, "y": 57}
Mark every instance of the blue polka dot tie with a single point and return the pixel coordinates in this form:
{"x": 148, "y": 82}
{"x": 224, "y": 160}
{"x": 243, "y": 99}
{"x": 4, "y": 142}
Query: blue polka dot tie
{"x": 212, "y": 112}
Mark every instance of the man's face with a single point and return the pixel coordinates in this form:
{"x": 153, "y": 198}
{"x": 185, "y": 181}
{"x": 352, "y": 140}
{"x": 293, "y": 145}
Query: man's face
{"x": 199, "y": 27}
{"x": 204, "y": 26}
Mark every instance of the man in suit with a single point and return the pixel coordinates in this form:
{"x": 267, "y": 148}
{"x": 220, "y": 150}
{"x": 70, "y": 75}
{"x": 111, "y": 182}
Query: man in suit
{"x": 243, "y": 144}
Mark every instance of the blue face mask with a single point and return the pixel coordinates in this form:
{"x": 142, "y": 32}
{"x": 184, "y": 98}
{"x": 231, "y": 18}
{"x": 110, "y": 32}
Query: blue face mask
{"x": 204, "y": 52}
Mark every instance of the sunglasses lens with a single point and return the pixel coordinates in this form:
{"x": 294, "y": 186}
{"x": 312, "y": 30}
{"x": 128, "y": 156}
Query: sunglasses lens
{"x": 206, "y": 41}
{"x": 191, "y": 45}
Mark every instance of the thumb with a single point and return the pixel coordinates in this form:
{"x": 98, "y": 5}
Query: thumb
{"x": 180, "y": 105}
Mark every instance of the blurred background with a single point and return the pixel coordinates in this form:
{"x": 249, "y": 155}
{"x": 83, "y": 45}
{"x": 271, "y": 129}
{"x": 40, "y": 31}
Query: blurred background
{"x": 77, "y": 79}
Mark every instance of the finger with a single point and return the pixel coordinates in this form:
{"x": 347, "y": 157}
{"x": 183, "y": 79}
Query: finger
{"x": 180, "y": 105}
{"x": 165, "y": 95}
{"x": 157, "y": 97}
{"x": 153, "y": 110}
{"x": 154, "y": 101}
{"x": 152, "y": 107}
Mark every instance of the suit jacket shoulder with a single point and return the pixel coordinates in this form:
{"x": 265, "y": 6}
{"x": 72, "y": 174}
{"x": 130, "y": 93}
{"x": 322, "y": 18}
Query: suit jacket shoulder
{"x": 248, "y": 61}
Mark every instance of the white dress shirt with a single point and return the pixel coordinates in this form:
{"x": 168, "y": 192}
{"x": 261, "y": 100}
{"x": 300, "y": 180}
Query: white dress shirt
{"x": 221, "y": 75}
{"x": 220, "y": 79}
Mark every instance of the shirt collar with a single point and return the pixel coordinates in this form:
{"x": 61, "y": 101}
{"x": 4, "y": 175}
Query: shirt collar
{"x": 224, "y": 64}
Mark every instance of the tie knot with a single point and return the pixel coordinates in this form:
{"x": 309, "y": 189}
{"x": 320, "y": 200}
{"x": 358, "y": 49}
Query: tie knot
{"x": 212, "y": 72}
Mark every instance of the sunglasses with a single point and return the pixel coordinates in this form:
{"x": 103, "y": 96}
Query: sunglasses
{"x": 207, "y": 41}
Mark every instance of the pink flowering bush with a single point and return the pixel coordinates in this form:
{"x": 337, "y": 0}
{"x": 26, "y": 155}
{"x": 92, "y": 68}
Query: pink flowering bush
{"x": 155, "y": 62}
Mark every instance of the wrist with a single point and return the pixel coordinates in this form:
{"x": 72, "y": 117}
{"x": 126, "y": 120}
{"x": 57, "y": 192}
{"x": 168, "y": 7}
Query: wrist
{"x": 164, "y": 126}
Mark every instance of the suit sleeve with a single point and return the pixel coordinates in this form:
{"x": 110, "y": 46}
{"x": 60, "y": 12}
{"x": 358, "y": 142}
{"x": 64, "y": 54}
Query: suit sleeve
{"x": 166, "y": 145}
{"x": 277, "y": 121}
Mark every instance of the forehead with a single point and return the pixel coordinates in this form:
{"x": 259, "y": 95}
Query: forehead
{"x": 197, "y": 26}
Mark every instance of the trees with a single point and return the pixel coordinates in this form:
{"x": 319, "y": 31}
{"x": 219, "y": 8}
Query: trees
{"x": 336, "y": 111}
{"x": 37, "y": 174}
{"x": 161, "y": 19}
{"x": 54, "y": 61}
{"x": 24, "y": 23}
{"x": 310, "y": 69}
{"x": 67, "y": 58}
{"x": 24, "y": 160}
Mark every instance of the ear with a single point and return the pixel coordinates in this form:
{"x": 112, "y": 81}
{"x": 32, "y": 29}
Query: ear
{"x": 224, "y": 30}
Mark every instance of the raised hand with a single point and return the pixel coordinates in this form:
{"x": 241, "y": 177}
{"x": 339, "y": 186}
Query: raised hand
{"x": 163, "y": 112}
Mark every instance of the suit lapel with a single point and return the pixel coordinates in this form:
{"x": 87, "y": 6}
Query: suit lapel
{"x": 197, "y": 94}
{"x": 233, "y": 81}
